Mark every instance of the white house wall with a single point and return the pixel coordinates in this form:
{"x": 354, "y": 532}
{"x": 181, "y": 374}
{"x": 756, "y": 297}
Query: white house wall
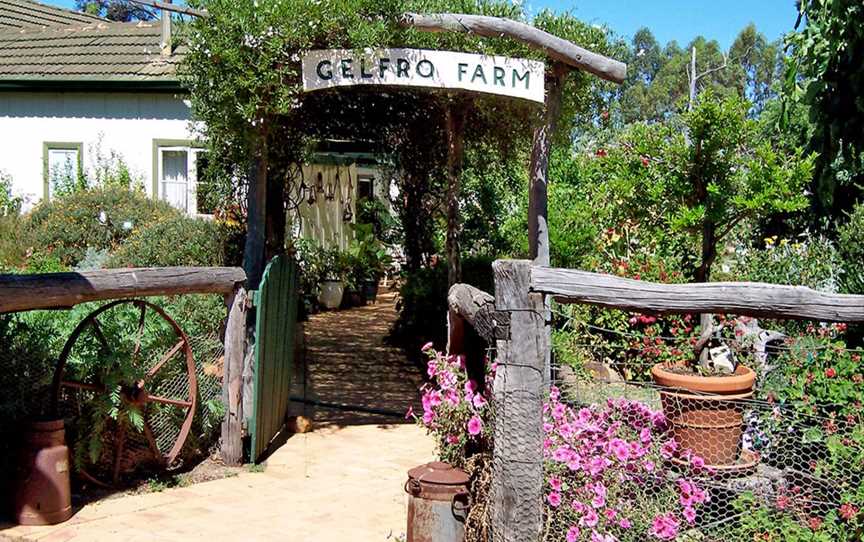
{"x": 126, "y": 123}
{"x": 323, "y": 221}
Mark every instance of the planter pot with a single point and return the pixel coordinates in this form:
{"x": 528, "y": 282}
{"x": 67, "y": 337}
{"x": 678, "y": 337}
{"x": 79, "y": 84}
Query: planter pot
{"x": 331, "y": 294}
{"x": 706, "y": 412}
{"x": 370, "y": 290}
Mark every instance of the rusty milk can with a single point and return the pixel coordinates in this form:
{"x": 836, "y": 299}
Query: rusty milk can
{"x": 437, "y": 503}
{"x": 42, "y": 492}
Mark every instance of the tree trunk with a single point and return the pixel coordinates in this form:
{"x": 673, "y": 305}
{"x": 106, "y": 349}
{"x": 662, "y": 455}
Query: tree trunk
{"x": 455, "y": 117}
{"x": 538, "y": 227}
{"x": 275, "y": 216}
{"x": 256, "y": 196}
{"x": 692, "y": 79}
{"x": 709, "y": 252}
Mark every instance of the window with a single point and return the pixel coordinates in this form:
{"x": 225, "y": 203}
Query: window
{"x": 365, "y": 187}
{"x": 176, "y": 174}
{"x": 61, "y": 166}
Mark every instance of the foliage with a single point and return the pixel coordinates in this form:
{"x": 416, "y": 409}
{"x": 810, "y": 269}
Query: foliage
{"x": 177, "y": 241}
{"x": 657, "y": 82}
{"x": 850, "y": 245}
{"x": 101, "y": 218}
{"x": 825, "y": 72}
{"x": 422, "y": 302}
{"x": 456, "y": 409}
{"x": 605, "y": 473}
{"x": 384, "y": 225}
{"x": 817, "y": 376}
{"x": 116, "y": 10}
{"x": 11, "y": 225}
{"x": 811, "y": 260}
{"x": 764, "y": 522}
{"x": 367, "y": 255}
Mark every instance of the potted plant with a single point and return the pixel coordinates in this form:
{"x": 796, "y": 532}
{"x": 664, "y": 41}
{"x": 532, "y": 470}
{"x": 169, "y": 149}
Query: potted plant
{"x": 370, "y": 258}
{"x": 703, "y": 399}
{"x": 332, "y": 284}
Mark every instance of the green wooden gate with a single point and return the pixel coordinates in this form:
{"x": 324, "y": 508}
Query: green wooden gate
{"x": 276, "y": 305}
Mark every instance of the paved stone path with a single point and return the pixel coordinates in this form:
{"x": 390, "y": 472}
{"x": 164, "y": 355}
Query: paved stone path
{"x": 342, "y": 482}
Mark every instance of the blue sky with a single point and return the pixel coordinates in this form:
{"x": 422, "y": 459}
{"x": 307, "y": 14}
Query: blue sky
{"x": 681, "y": 20}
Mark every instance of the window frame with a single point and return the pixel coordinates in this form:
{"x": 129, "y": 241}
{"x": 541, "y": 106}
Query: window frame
{"x": 192, "y": 148}
{"x": 47, "y": 147}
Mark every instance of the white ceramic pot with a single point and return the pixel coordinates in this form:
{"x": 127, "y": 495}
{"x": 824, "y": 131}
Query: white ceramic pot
{"x": 331, "y": 293}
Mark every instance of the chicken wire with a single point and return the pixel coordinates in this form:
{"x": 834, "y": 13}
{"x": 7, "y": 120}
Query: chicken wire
{"x": 694, "y": 466}
{"x": 25, "y": 394}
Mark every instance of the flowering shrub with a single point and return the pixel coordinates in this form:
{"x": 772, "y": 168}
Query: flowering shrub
{"x": 606, "y": 477}
{"x": 456, "y": 409}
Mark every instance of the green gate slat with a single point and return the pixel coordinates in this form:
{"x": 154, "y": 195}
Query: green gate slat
{"x": 276, "y": 302}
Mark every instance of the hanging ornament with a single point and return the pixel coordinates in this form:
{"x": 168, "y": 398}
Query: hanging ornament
{"x": 331, "y": 187}
{"x": 348, "y": 213}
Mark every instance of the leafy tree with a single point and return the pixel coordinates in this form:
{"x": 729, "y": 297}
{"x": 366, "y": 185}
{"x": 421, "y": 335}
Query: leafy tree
{"x": 116, "y": 10}
{"x": 826, "y": 72}
{"x": 654, "y": 192}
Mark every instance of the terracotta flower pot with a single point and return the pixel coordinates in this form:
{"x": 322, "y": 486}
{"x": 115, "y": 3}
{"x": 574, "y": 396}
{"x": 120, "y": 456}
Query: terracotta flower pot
{"x": 706, "y": 412}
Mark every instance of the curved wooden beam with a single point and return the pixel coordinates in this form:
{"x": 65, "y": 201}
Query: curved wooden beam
{"x": 494, "y": 27}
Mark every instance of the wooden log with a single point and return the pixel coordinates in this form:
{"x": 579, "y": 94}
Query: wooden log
{"x": 538, "y": 226}
{"x": 232, "y": 378}
{"x": 477, "y": 308}
{"x": 62, "y": 290}
{"x": 494, "y": 27}
{"x": 742, "y": 298}
{"x": 518, "y": 391}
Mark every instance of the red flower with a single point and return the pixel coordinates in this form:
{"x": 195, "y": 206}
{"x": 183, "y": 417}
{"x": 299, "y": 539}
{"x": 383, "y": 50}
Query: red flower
{"x": 644, "y": 161}
{"x": 604, "y": 115}
{"x": 848, "y": 511}
{"x": 601, "y": 152}
{"x": 814, "y": 523}
{"x": 830, "y": 372}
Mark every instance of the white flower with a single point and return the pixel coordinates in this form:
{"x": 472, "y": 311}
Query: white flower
{"x": 103, "y": 217}
{"x": 127, "y": 225}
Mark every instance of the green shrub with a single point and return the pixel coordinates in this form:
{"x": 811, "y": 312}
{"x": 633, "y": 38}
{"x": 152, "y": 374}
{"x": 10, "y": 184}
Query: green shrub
{"x": 851, "y": 248}
{"x": 422, "y": 302}
{"x": 177, "y": 241}
{"x": 99, "y": 218}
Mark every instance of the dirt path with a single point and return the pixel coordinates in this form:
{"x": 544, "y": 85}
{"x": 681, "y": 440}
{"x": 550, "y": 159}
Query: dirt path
{"x": 341, "y": 482}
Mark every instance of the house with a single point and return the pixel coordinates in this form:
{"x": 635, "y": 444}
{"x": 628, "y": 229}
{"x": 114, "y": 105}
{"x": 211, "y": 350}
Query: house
{"x": 78, "y": 91}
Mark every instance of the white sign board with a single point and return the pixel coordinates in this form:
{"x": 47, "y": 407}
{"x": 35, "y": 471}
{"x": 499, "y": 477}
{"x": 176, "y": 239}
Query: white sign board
{"x": 514, "y": 77}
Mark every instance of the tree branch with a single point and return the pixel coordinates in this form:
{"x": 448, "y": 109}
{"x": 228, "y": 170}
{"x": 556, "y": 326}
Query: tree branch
{"x": 496, "y": 27}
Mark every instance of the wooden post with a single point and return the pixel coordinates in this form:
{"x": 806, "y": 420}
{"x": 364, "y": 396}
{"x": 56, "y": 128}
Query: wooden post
{"x": 538, "y": 228}
{"x": 455, "y": 116}
{"x": 232, "y": 378}
{"x": 519, "y": 388}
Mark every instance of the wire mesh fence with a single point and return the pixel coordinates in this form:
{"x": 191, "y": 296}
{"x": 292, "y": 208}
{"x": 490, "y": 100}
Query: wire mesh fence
{"x": 630, "y": 455}
{"x": 105, "y": 363}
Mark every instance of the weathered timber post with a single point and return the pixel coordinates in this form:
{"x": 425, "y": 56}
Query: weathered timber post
{"x": 517, "y": 462}
{"x": 455, "y": 117}
{"x": 232, "y": 378}
{"x": 538, "y": 227}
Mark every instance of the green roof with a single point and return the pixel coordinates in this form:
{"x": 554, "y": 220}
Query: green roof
{"x": 104, "y": 54}
{"x": 29, "y": 14}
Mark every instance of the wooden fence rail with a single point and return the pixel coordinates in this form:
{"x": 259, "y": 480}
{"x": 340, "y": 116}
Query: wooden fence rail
{"x": 65, "y": 290}
{"x": 514, "y": 321}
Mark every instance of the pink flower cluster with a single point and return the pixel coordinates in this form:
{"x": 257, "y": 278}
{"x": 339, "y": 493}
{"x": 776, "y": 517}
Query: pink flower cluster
{"x": 606, "y": 473}
{"x": 453, "y": 405}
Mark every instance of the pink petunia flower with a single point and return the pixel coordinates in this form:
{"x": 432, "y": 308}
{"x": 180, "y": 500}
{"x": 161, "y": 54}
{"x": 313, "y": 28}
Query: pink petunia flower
{"x": 573, "y": 533}
{"x": 554, "y": 499}
{"x": 426, "y": 347}
{"x": 589, "y": 519}
{"x": 475, "y": 426}
{"x": 664, "y": 527}
{"x": 555, "y": 483}
{"x": 689, "y": 514}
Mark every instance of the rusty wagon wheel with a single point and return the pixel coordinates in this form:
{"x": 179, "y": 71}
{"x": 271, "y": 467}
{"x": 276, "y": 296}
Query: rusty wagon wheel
{"x": 127, "y": 376}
